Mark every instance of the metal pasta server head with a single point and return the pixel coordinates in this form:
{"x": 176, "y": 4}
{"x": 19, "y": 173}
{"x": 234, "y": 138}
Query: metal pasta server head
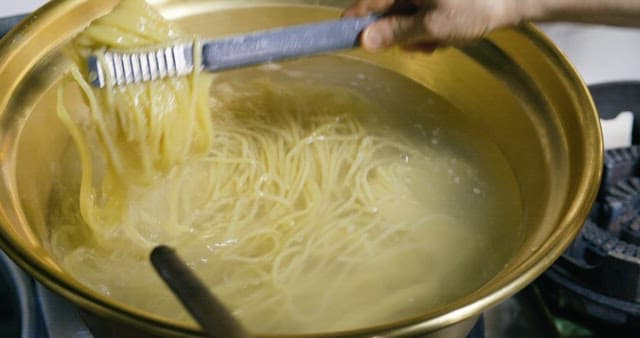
{"x": 126, "y": 67}
{"x": 134, "y": 67}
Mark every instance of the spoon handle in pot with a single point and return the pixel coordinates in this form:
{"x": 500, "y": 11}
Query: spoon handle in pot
{"x": 206, "y": 309}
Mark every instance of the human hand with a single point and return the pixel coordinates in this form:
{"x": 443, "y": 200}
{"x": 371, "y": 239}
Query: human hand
{"x": 425, "y": 24}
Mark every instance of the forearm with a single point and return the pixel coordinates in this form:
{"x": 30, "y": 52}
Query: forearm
{"x": 446, "y": 22}
{"x": 610, "y": 12}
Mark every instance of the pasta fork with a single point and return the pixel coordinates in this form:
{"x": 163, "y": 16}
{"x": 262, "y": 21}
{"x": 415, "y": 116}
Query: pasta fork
{"x": 125, "y": 67}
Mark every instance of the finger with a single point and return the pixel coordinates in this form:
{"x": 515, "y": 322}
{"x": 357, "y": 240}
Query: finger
{"x": 364, "y": 7}
{"x": 392, "y": 30}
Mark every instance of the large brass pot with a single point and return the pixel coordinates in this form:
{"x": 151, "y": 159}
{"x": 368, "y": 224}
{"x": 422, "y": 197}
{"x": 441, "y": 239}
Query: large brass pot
{"x": 514, "y": 83}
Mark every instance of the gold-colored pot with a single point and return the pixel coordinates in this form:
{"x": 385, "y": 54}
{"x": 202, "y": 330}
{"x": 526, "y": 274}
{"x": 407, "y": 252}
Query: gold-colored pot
{"x": 515, "y": 83}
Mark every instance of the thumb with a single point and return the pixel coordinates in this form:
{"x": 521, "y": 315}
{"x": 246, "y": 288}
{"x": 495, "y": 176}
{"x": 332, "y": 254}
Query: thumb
{"x": 393, "y": 30}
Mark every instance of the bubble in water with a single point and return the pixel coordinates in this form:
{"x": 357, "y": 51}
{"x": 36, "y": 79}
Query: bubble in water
{"x": 405, "y": 158}
{"x": 226, "y": 243}
{"x": 420, "y": 128}
{"x": 104, "y": 289}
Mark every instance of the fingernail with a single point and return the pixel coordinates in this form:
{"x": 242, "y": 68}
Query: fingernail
{"x": 372, "y": 40}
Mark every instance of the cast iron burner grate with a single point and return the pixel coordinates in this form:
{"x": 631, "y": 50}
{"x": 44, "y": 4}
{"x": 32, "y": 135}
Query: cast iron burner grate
{"x": 596, "y": 282}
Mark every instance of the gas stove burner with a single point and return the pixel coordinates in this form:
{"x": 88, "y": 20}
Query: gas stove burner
{"x": 609, "y": 265}
{"x": 619, "y": 163}
{"x": 596, "y": 282}
{"x": 631, "y": 233}
{"x": 619, "y": 205}
{"x": 603, "y": 244}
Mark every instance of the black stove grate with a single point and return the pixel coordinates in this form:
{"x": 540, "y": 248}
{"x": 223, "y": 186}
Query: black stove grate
{"x": 596, "y": 282}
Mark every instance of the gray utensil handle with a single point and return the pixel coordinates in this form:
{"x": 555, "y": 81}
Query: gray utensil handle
{"x": 283, "y": 43}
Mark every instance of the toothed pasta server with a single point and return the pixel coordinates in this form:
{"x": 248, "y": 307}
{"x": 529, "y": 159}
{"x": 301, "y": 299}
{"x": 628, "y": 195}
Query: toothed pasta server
{"x": 135, "y": 66}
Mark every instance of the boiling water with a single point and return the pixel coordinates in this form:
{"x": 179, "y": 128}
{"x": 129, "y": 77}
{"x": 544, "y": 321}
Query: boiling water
{"x": 438, "y": 215}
